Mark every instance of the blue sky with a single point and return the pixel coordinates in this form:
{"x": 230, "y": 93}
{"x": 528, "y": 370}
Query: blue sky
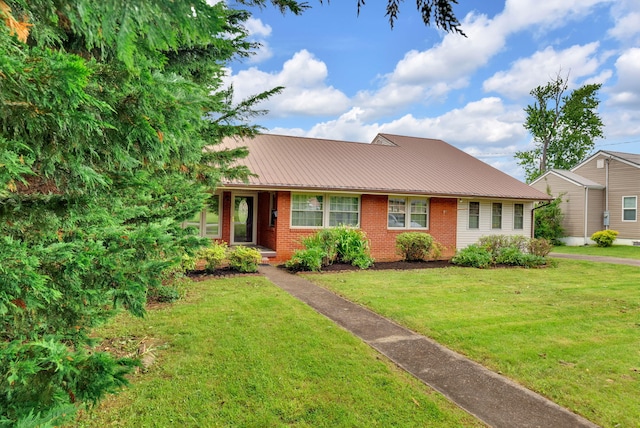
{"x": 349, "y": 77}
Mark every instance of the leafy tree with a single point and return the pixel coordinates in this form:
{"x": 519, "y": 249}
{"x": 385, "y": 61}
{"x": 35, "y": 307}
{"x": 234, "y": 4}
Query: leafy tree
{"x": 106, "y": 110}
{"x": 563, "y": 127}
{"x": 548, "y": 220}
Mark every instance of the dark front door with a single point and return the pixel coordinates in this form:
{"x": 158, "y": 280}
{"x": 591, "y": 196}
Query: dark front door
{"x": 243, "y": 207}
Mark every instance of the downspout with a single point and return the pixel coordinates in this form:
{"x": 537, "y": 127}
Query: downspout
{"x": 606, "y": 189}
{"x": 586, "y": 213}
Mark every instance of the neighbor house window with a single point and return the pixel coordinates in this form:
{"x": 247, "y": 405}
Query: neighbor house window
{"x": 474, "y": 215}
{"x": 311, "y": 210}
{"x": 207, "y": 221}
{"x": 629, "y": 208}
{"x": 518, "y": 216}
{"x": 344, "y": 211}
{"x": 496, "y": 215}
{"x": 411, "y": 213}
{"x": 307, "y": 210}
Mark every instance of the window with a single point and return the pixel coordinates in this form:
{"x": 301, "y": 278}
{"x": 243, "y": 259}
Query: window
{"x": 397, "y": 212}
{"x": 629, "y": 208}
{"x": 417, "y": 213}
{"x": 474, "y": 215}
{"x": 518, "y": 216}
{"x": 311, "y": 211}
{"x": 208, "y": 220}
{"x": 273, "y": 209}
{"x": 344, "y": 210}
{"x": 307, "y": 210}
{"x": 496, "y": 215}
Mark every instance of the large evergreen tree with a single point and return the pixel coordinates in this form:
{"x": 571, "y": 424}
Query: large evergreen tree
{"x": 563, "y": 127}
{"x": 105, "y": 110}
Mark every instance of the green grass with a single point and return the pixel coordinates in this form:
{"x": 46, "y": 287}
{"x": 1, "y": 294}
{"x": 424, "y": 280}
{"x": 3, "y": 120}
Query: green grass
{"x": 571, "y": 333}
{"x": 624, "y": 251}
{"x": 241, "y": 352}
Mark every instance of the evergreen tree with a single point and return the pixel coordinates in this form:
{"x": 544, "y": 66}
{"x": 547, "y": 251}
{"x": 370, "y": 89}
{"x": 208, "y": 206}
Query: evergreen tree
{"x": 106, "y": 110}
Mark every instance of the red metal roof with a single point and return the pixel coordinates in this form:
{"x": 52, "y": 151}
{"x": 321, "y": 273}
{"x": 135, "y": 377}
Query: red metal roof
{"x": 391, "y": 164}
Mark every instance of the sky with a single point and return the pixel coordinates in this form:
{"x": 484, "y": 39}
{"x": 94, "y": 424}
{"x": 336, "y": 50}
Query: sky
{"x": 349, "y": 76}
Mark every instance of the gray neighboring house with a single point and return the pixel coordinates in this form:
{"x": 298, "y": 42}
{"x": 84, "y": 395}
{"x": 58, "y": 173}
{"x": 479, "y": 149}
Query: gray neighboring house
{"x": 600, "y": 193}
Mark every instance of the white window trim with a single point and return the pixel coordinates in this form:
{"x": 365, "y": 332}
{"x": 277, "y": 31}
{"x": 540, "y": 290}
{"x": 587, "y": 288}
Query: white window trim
{"x": 635, "y": 197}
{"x": 326, "y": 206}
{"x": 469, "y": 214}
{"x": 407, "y": 204}
{"x": 203, "y": 221}
{"x": 514, "y": 216}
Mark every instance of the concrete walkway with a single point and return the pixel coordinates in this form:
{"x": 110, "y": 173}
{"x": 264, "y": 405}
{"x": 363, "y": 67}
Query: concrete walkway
{"x": 600, "y": 259}
{"x": 494, "y": 399}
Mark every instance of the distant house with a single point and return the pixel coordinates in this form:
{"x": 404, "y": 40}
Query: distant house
{"x": 393, "y": 185}
{"x": 600, "y": 193}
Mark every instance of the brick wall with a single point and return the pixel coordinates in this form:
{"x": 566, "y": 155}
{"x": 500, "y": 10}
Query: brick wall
{"x": 442, "y": 226}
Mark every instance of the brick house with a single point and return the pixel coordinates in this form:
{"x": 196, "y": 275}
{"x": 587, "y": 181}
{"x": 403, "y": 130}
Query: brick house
{"x": 393, "y": 185}
{"x": 599, "y": 193}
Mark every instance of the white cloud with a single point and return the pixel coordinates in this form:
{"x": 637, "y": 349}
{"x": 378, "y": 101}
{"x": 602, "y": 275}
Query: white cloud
{"x": 305, "y": 93}
{"x": 257, "y": 28}
{"x": 626, "y": 14}
{"x": 626, "y": 91}
{"x": 544, "y": 15}
{"x": 543, "y": 66}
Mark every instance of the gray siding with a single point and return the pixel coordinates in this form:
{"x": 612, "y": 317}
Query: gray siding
{"x": 572, "y": 205}
{"x": 624, "y": 180}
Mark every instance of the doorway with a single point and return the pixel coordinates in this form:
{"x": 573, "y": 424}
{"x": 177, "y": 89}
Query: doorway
{"x": 243, "y": 224}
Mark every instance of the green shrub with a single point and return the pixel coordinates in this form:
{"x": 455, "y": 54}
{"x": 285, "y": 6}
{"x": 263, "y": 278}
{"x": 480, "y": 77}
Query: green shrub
{"x": 416, "y": 246}
{"x": 214, "y": 256}
{"x": 244, "y": 259}
{"x": 310, "y": 259}
{"x": 513, "y": 256}
{"x": 341, "y": 244}
{"x": 604, "y": 238}
{"x": 325, "y": 240}
{"x": 548, "y": 221}
{"x": 163, "y": 293}
{"x": 473, "y": 256}
{"x": 539, "y": 247}
{"x": 496, "y": 243}
{"x": 352, "y": 247}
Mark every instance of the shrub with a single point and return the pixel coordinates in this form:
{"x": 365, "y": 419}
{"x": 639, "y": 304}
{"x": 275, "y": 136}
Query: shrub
{"x": 416, "y": 246}
{"x": 340, "y": 244}
{"x": 163, "y": 293}
{"x": 352, "y": 247}
{"x": 245, "y": 259}
{"x": 496, "y": 243}
{"x": 473, "y": 256}
{"x": 548, "y": 221}
{"x": 310, "y": 259}
{"x": 512, "y": 256}
{"x": 214, "y": 256}
{"x": 325, "y": 240}
{"x": 604, "y": 238}
{"x": 539, "y": 247}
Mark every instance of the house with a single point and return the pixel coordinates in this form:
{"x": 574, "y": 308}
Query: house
{"x": 394, "y": 184}
{"x": 600, "y": 193}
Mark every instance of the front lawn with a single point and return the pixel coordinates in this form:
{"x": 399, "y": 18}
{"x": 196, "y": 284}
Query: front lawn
{"x": 571, "y": 333}
{"x": 624, "y": 251}
{"x": 242, "y": 352}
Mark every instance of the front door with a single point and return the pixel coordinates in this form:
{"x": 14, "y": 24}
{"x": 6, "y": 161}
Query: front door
{"x": 243, "y": 216}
